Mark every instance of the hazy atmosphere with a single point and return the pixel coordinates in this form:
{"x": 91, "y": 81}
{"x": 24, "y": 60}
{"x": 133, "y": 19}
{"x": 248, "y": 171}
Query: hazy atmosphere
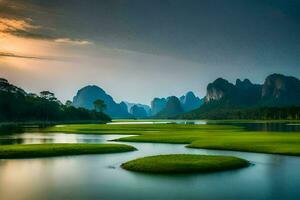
{"x": 168, "y": 47}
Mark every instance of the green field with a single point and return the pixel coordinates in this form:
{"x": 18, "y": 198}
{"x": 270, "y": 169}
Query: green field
{"x": 223, "y": 137}
{"x": 184, "y": 163}
{"x": 135, "y": 129}
{"x": 49, "y": 150}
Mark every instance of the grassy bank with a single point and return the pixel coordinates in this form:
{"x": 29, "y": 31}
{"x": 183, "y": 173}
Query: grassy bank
{"x": 274, "y": 143}
{"x": 133, "y": 129}
{"x": 49, "y": 150}
{"x": 184, "y": 163}
{"x": 235, "y": 140}
{"x": 212, "y": 136}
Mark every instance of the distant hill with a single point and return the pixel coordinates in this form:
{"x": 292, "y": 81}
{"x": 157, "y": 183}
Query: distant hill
{"x": 280, "y": 90}
{"x": 157, "y": 104}
{"x": 138, "y": 112}
{"x": 86, "y": 96}
{"x": 145, "y": 107}
{"x": 173, "y": 107}
{"x": 188, "y": 102}
{"x": 224, "y": 99}
{"x": 277, "y": 90}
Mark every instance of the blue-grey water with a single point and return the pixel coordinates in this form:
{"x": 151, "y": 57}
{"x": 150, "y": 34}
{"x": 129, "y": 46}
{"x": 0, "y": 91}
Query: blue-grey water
{"x": 100, "y": 176}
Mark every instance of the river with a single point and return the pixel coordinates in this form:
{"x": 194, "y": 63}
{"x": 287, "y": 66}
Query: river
{"x": 100, "y": 176}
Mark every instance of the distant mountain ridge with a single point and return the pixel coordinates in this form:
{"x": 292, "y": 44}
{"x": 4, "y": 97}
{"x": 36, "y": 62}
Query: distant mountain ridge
{"x": 243, "y": 93}
{"x": 166, "y": 107}
{"x": 173, "y": 107}
{"x": 281, "y": 90}
{"x": 221, "y": 96}
{"x": 169, "y": 107}
{"x": 157, "y": 105}
{"x": 146, "y": 108}
{"x": 138, "y": 112}
{"x": 224, "y": 97}
{"x": 86, "y": 96}
{"x": 277, "y": 90}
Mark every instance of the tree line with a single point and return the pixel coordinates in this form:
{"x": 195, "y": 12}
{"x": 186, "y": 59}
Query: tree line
{"x": 22, "y": 107}
{"x": 257, "y": 113}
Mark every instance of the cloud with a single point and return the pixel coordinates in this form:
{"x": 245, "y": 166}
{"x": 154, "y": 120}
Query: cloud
{"x": 25, "y": 29}
{"x": 3, "y": 54}
{"x": 10, "y": 9}
{"x": 7, "y": 54}
{"x": 21, "y": 28}
{"x": 16, "y": 20}
{"x": 72, "y": 41}
{"x": 10, "y": 25}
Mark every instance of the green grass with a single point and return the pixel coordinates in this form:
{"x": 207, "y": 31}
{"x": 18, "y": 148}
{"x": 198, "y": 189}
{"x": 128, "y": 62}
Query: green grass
{"x": 184, "y": 163}
{"x": 132, "y": 129}
{"x": 49, "y": 150}
{"x": 271, "y": 143}
{"x": 212, "y": 136}
{"x": 232, "y": 121}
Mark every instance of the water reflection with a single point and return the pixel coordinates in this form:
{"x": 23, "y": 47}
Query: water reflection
{"x": 41, "y": 138}
{"x": 100, "y": 177}
{"x": 10, "y": 128}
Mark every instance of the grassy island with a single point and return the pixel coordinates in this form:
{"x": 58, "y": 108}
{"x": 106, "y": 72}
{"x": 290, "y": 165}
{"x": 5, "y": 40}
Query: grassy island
{"x": 49, "y": 150}
{"x": 206, "y": 136}
{"x": 184, "y": 163}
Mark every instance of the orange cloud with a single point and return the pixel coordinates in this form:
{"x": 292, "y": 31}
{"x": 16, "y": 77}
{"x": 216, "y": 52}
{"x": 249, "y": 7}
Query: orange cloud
{"x": 10, "y": 26}
{"x": 18, "y": 39}
{"x": 25, "y": 28}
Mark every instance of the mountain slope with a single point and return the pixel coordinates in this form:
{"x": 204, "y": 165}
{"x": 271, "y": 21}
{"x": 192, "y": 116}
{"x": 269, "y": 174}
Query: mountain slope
{"x": 145, "y": 107}
{"x": 173, "y": 107}
{"x": 190, "y": 101}
{"x": 138, "y": 112}
{"x": 157, "y": 105}
{"x": 280, "y": 90}
{"x": 187, "y": 102}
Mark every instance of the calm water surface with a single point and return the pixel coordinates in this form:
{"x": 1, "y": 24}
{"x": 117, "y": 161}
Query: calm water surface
{"x": 100, "y": 176}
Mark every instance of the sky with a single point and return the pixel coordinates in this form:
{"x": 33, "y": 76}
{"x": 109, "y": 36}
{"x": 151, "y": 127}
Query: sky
{"x": 139, "y": 49}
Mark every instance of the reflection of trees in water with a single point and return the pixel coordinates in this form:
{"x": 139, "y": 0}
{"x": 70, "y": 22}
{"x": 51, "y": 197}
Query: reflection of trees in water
{"x": 8, "y": 141}
{"x": 6, "y": 131}
{"x": 28, "y": 138}
{"x": 9, "y": 129}
{"x": 14, "y": 140}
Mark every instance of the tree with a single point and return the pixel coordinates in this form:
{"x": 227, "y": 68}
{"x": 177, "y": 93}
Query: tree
{"x": 48, "y": 95}
{"x": 68, "y": 103}
{"x": 99, "y": 105}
